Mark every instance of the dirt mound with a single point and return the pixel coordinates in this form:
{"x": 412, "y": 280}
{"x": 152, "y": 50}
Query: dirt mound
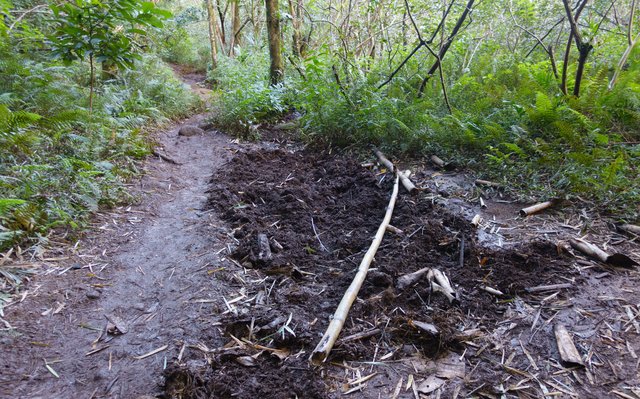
{"x": 319, "y": 213}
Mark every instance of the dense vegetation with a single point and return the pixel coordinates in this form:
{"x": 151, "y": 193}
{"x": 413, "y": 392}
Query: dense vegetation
{"x": 541, "y": 96}
{"x": 65, "y": 151}
{"x": 506, "y": 102}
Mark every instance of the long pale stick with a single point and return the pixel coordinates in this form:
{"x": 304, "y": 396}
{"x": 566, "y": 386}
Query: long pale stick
{"x": 330, "y": 336}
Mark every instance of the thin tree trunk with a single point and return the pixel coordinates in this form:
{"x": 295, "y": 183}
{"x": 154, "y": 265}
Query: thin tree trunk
{"x": 565, "y": 65}
{"x": 92, "y": 81}
{"x": 446, "y": 45}
{"x": 623, "y": 60}
{"x": 276, "y": 71}
{"x": 296, "y": 37}
{"x": 222, "y": 15}
{"x": 212, "y": 33}
{"x": 584, "y": 48}
{"x": 236, "y": 23}
{"x": 582, "y": 60}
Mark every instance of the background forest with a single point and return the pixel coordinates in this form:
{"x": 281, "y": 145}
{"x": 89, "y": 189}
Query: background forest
{"x": 543, "y": 96}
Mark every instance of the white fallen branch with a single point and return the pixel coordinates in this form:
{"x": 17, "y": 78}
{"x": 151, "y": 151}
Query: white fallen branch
{"x": 322, "y": 350}
{"x": 404, "y": 176}
{"x": 630, "y": 228}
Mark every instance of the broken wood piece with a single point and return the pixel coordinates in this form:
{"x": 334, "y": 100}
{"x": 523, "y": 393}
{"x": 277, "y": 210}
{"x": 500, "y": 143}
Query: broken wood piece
{"x": 360, "y": 335}
{"x": 437, "y": 161}
{"x": 480, "y": 182}
{"x": 116, "y": 325}
{"x": 394, "y": 229}
{"x": 153, "y": 352}
{"x": 530, "y": 210}
{"x": 322, "y": 350}
{"x": 491, "y": 291}
{"x": 406, "y": 183}
{"x": 440, "y": 283}
{"x": 476, "y": 220}
{"x": 550, "y": 287}
{"x": 264, "y": 248}
{"x": 411, "y": 278}
{"x": 430, "y": 384}
{"x": 630, "y": 228}
{"x": 385, "y": 161}
{"x": 593, "y": 251}
{"x": 426, "y": 327}
{"x": 568, "y": 352}
{"x": 404, "y": 176}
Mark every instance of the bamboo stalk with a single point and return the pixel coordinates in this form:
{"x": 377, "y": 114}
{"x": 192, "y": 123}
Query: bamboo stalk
{"x": 630, "y": 228}
{"x": 530, "y": 210}
{"x": 438, "y": 161}
{"x": 321, "y": 352}
{"x": 593, "y": 251}
{"x": 589, "y": 249}
{"x": 404, "y": 176}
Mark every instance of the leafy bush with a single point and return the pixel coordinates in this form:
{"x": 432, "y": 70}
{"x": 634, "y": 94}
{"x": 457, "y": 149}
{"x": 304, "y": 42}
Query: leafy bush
{"x": 509, "y": 120}
{"x": 245, "y": 97}
{"x": 60, "y": 161}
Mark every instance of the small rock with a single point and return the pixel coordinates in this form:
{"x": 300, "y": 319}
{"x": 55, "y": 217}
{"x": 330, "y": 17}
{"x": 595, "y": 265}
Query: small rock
{"x": 93, "y": 294}
{"x": 139, "y": 306}
{"x": 189, "y": 131}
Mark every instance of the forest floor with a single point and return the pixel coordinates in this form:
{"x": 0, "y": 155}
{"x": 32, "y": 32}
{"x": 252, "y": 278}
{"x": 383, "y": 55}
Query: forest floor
{"x": 170, "y": 297}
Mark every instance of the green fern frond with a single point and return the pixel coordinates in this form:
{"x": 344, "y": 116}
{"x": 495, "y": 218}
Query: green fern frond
{"x": 10, "y": 121}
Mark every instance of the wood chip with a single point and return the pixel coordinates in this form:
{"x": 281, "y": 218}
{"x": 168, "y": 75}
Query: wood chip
{"x": 430, "y": 384}
{"x": 246, "y": 361}
{"x": 568, "y": 352}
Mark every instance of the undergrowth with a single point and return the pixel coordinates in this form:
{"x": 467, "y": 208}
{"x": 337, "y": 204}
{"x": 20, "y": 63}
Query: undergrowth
{"x": 509, "y": 124}
{"x": 61, "y": 161}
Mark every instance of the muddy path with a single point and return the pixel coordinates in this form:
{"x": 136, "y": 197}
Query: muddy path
{"x": 138, "y": 282}
{"x": 174, "y": 297}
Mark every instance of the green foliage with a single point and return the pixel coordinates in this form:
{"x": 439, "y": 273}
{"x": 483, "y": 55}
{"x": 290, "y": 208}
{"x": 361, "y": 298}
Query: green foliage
{"x": 509, "y": 121}
{"x": 247, "y": 98}
{"x": 102, "y": 30}
{"x": 60, "y": 162}
{"x": 182, "y": 41}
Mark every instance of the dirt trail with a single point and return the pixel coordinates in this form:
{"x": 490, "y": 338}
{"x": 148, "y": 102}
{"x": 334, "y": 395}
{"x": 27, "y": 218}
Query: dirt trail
{"x": 145, "y": 267}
